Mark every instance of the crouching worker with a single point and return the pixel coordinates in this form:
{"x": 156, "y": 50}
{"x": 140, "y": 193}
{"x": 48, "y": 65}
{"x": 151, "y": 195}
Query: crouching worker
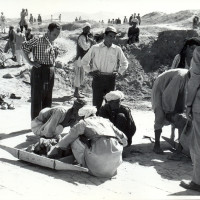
{"x": 95, "y": 142}
{"x": 168, "y": 97}
{"x": 118, "y": 114}
{"x": 51, "y": 121}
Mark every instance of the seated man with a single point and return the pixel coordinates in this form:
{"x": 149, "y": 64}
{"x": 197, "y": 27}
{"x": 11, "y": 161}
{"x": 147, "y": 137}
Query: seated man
{"x": 51, "y": 121}
{"x": 118, "y": 114}
{"x": 168, "y": 98}
{"x": 133, "y": 32}
{"x": 96, "y": 143}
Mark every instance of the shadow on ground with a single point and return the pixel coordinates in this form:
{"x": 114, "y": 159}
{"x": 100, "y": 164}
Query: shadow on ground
{"x": 14, "y": 134}
{"x": 167, "y": 169}
{"x": 62, "y": 99}
{"x": 73, "y": 177}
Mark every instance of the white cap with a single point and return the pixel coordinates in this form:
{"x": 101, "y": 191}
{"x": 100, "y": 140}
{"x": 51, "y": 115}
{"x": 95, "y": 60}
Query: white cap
{"x": 114, "y": 95}
{"x": 86, "y": 111}
{"x": 87, "y": 24}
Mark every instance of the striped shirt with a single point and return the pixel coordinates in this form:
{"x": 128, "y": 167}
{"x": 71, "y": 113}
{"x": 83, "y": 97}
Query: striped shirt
{"x": 43, "y": 51}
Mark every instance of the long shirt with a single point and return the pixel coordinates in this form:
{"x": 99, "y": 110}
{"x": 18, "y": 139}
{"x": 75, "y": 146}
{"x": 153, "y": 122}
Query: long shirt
{"x": 169, "y": 91}
{"x": 50, "y": 118}
{"x": 105, "y": 59}
{"x": 19, "y": 38}
{"x": 92, "y": 127}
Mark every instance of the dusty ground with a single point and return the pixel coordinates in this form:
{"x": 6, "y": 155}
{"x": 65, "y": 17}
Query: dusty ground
{"x": 143, "y": 174}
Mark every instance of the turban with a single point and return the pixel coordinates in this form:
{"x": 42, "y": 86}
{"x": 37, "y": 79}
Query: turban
{"x": 86, "y": 111}
{"x": 114, "y": 95}
{"x": 87, "y": 25}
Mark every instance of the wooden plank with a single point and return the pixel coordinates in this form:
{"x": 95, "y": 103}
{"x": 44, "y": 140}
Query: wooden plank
{"x": 41, "y": 160}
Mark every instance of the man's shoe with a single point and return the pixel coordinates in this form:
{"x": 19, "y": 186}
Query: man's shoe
{"x": 190, "y": 185}
{"x": 78, "y": 96}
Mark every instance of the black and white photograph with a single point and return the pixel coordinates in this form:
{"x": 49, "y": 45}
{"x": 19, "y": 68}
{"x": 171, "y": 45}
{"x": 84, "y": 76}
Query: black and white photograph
{"x": 99, "y": 99}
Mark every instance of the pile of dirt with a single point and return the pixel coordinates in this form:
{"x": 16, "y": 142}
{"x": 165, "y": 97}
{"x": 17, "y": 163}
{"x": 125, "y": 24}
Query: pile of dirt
{"x": 163, "y": 18}
{"x": 162, "y": 51}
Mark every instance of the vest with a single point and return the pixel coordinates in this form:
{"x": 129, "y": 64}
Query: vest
{"x": 80, "y": 51}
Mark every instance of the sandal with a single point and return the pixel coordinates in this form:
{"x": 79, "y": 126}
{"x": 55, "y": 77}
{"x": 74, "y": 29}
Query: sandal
{"x": 13, "y": 96}
{"x": 4, "y": 106}
{"x": 11, "y": 106}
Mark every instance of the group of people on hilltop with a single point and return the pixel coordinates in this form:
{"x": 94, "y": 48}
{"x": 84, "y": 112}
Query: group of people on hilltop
{"x": 78, "y": 19}
{"x": 23, "y": 23}
{"x": 114, "y": 21}
{"x": 132, "y": 17}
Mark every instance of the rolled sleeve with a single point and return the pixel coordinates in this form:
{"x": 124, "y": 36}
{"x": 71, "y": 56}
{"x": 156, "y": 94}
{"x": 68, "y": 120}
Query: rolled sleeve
{"x": 85, "y": 62}
{"x": 123, "y": 62}
{"x": 28, "y": 45}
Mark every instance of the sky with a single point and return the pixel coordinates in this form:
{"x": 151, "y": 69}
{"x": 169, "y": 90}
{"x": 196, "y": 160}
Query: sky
{"x": 12, "y": 8}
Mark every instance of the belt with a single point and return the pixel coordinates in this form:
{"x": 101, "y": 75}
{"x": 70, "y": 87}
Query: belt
{"x": 106, "y": 73}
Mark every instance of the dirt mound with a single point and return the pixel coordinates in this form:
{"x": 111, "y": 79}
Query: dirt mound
{"x": 162, "y": 51}
{"x": 163, "y": 18}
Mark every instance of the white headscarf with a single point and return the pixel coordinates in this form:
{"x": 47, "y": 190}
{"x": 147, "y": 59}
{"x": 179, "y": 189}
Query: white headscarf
{"x": 86, "y": 111}
{"x": 114, "y": 95}
{"x": 87, "y": 24}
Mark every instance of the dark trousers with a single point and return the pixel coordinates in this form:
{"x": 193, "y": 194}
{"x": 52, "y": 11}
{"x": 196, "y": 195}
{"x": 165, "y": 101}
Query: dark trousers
{"x": 42, "y": 81}
{"x": 101, "y": 85}
{"x": 122, "y": 124}
{"x": 24, "y": 26}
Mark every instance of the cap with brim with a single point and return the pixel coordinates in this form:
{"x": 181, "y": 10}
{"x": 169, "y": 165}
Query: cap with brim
{"x": 111, "y": 29}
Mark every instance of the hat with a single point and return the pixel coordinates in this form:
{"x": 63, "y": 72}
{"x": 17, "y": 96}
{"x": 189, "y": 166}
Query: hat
{"x": 134, "y": 20}
{"x": 87, "y": 25}
{"x": 29, "y": 28}
{"x": 111, "y": 29}
{"x": 114, "y": 95}
{"x": 86, "y": 111}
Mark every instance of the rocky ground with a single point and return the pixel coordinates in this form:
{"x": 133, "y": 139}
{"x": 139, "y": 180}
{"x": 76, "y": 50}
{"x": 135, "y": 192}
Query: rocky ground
{"x": 143, "y": 174}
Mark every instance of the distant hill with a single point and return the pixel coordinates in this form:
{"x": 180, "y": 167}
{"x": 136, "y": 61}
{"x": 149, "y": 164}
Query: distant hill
{"x": 183, "y": 17}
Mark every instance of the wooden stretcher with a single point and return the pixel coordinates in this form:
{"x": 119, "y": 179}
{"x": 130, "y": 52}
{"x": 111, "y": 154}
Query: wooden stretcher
{"x": 43, "y": 161}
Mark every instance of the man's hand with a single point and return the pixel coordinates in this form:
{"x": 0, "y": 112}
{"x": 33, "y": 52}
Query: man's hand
{"x": 189, "y": 112}
{"x": 35, "y": 64}
{"x": 117, "y": 75}
{"x": 95, "y": 73}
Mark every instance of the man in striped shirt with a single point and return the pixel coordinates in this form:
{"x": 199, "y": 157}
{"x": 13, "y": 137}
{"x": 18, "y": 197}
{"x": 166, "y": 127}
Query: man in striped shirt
{"x": 42, "y": 73}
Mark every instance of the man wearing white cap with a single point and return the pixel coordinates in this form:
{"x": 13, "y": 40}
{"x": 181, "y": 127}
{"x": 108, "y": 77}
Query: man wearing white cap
{"x": 118, "y": 114}
{"x": 84, "y": 42}
{"x": 104, "y": 62}
{"x": 96, "y": 143}
{"x": 133, "y": 32}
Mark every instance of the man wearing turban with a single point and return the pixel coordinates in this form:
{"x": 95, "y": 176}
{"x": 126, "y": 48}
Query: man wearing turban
{"x": 118, "y": 114}
{"x": 95, "y": 142}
